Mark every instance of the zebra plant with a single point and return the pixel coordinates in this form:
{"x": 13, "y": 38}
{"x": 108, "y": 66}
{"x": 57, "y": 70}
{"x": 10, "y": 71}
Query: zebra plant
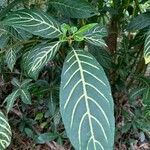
{"x": 5, "y": 132}
{"x": 86, "y": 102}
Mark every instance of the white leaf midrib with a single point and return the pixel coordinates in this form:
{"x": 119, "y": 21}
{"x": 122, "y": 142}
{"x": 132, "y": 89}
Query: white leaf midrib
{"x": 71, "y": 7}
{"x": 86, "y": 98}
{"x": 42, "y": 21}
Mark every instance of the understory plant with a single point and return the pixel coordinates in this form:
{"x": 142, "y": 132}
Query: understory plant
{"x": 60, "y": 57}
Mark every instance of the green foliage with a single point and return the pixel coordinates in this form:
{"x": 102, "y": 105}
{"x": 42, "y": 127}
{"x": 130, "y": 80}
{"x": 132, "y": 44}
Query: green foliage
{"x": 21, "y": 89}
{"x": 69, "y": 94}
{"x": 38, "y": 57}
{"x": 140, "y": 22}
{"x": 74, "y": 9}
{"x": 147, "y": 49}
{"x": 92, "y": 33}
{"x": 5, "y": 132}
{"x": 35, "y": 22}
{"x": 11, "y": 58}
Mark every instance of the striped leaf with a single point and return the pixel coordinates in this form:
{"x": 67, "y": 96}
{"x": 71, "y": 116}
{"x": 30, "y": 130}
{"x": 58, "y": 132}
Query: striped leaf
{"x": 15, "y": 82}
{"x": 5, "y": 132}
{"x": 92, "y": 33}
{"x": 18, "y": 34}
{"x": 4, "y": 38}
{"x": 25, "y": 83}
{"x": 25, "y": 96}
{"x": 94, "y": 36}
{"x": 10, "y": 99}
{"x": 35, "y": 22}
{"x": 11, "y": 58}
{"x": 86, "y": 103}
{"x": 74, "y": 8}
{"x": 135, "y": 93}
{"x": 86, "y": 28}
{"x": 38, "y": 57}
{"x": 147, "y": 49}
{"x": 140, "y": 22}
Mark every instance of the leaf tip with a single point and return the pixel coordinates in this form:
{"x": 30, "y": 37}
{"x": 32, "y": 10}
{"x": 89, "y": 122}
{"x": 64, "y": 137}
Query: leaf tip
{"x": 147, "y": 60}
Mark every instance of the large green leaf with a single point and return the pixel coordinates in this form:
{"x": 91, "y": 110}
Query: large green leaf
{"x": 11, "y": 58}
{"x": 5, "y": 132}
{"x": 74, "y": 8}
{"x": 18, "y": 34}
{"x": 86, "y": 103}
{"x": 139, "y": 22}
{"x": 35, "y": 22}
{"x": 147, "y": 49}
{"x": 38, "y": 57}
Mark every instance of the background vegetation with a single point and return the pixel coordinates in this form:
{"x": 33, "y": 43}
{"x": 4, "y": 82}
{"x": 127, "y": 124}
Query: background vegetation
{"x": 36, "y": 121}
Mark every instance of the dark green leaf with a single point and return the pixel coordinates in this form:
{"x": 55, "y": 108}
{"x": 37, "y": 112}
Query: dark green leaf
{"x": 139, "y": 22}
{"x": 46, "y": 137}
{"x": 25, "y": 96}
{"x": 10, "y": 99}
{"x": 38, "y": 57}
{"x": 15, "y": 82}
{"x": 147, "y": 49}
{"x": 101, "y": 55}
{"x": 93, "y": 34}
{"x": 86, "y": 103}
{"x": 35, "y": 22}
{"x": 25, "y": 83}
{"x": 5, "y": 132}
{"x": 3, "y": 37}
{"x": 74, "y": 8}
{"x": 11, "y": 58}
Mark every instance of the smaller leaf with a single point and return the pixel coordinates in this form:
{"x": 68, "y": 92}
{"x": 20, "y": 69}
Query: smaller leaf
{"x": 18, "y": 34}
{"x": 38, "y": 57}
{"x": 57, "y": 118}
{"x": 147, "y": 49}
{"x": 140, "y": 22}
{"x": 74, "y": 8}
{"x": 15, "y": 82}
{"x": 10, "y": 99}
{"x": 101, "y": 54}
{"x": 94, "y": 36}
{"x": 25, "y": 83}
{"x": 11, "y": 58}
{"x": 25, "y": 96}
{"x": 46, "y": 137}
{"x": 29, "y": 132}
{"x": 146, "y": 96}
{"x": 4, "y": 38}
{"x": 92, "y": 33}
{"x": 33, "y": 21}
{"x": 39, "y": 116}
{"x": 5, "y": 132}
{"x": 135, "y": 93}
{"x": 65, "y": 27}
{"x": 73, "y": 29}
{"x": 86, "y": 28}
